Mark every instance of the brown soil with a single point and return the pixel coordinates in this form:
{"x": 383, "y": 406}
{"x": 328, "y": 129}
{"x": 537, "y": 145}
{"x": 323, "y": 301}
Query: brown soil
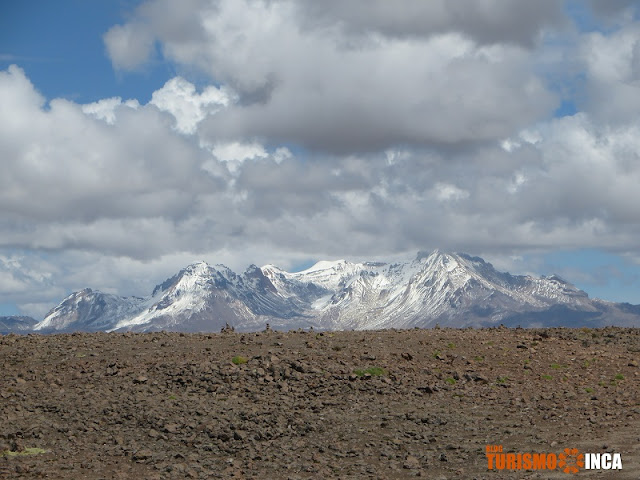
{"x": 170, "y": 405}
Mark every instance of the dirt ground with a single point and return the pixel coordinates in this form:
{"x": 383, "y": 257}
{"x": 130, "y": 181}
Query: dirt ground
{"x": 350, "y": 405}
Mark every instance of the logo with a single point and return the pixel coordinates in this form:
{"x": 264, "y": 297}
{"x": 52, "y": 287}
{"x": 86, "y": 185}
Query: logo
{"x": 569, "y": 461}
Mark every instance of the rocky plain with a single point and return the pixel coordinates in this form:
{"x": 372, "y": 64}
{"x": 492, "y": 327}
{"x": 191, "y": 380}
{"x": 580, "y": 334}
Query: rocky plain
{"x": 389, "y": 404}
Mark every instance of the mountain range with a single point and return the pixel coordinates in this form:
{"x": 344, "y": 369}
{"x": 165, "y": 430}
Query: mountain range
{"x": 446, "y": 289}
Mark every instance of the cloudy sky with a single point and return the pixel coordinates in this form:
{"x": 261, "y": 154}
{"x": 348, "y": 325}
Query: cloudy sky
{"x": 139, "y": 136}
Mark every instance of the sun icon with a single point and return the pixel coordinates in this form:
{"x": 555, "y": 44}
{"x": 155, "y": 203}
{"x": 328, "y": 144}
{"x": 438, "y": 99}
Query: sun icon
{"x": 571, "y": 460}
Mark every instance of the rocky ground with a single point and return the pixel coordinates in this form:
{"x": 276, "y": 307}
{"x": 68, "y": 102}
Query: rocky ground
{"x": 349, "y": 405}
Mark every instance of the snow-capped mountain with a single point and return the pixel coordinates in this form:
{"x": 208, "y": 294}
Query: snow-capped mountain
{"x": 436, "y": 288}
{"x": 89, "y": 310}
{"x": 202, "y": 297}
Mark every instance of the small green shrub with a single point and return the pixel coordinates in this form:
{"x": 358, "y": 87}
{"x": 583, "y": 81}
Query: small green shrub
{"x": 619, "y": 376}
{"x": 450, "y": 381}
{"x": 546, "y": 377}
{"x": 25, "y": 452}
{"x": 373, "y": 371}
{"x": 238, "y": 360}
{"x": 588, "y": 390}
{"x": 557, "y": 366}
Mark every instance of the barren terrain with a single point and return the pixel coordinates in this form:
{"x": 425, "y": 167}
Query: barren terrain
{"x": 297, "y": 405}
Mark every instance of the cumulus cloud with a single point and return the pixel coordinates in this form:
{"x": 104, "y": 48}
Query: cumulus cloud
{"x": 612, "y": 67}
{"x": 486, "y": 22}
{"x": 435, "y": 87}
{"x": 105, "y": 109}
{"x": 179, "y": 98}
{"x": 129, "y": 45}
{"x": 61, "y": 163}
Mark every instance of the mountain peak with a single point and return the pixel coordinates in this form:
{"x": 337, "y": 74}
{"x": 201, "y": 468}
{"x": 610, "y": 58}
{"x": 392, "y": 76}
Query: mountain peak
{"x": 326, "y": 265}
{"x": 197, "y": 268}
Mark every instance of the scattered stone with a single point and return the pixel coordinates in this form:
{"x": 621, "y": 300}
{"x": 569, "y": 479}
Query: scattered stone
{"x": 142, "y": 455}
{"x": 164, "y": 405}
{"x": 411, "y": 463}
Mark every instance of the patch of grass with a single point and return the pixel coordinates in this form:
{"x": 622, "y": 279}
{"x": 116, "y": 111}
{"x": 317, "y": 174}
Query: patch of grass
{"x": 451, "y": 345}
{"x": 25, "y": 452}
{"x": 546, "y": 377}
{"x": 450, "y": 381}
{"x": 436, "y": 354}
{"x": 172, "y": 397}
{"x": 373, "y": 371}
{"x": 619, "y": 376}
{"x": 557, "y": 366}
{"x": 588, "y": 390}
{"x": 239, "y": 360}
{"x": 502, "y": 380}
{"x": 479, "y": 358}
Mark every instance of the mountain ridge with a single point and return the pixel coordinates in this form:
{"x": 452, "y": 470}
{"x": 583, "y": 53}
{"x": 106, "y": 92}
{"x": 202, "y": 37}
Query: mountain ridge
{"x": 449, "y": 289}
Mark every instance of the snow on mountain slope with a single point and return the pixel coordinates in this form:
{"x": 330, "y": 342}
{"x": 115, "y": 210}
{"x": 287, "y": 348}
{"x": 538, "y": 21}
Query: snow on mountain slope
{"x": 185, "y": 293}
{"x": 450, "y": 289}
{"x": 89, "y": 310}
{"x": 208, "y": 297}
{"x": 329, "y": 275}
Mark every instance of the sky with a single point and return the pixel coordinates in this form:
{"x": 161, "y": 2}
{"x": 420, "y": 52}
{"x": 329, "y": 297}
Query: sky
{"x": 137, "y": 137}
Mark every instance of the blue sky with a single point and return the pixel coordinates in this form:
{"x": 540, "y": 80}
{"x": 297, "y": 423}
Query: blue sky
{"x": 67, "y": 57}
{"x": 139, "y": 137}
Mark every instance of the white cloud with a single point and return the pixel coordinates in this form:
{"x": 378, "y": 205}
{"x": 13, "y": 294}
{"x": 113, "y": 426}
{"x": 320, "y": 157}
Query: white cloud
{"x": 129, "y": 45}
{"x": 237, "y": 151}
{"x": 179, "y": 98}
{"x": 105, "y": 109}
{"x": 332, "y": 88}
{"x": 446, "y": 192}
{"x": 519, "y": 179}
{"x": 281, "y": 154}
{"x": 612, "y": 74}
